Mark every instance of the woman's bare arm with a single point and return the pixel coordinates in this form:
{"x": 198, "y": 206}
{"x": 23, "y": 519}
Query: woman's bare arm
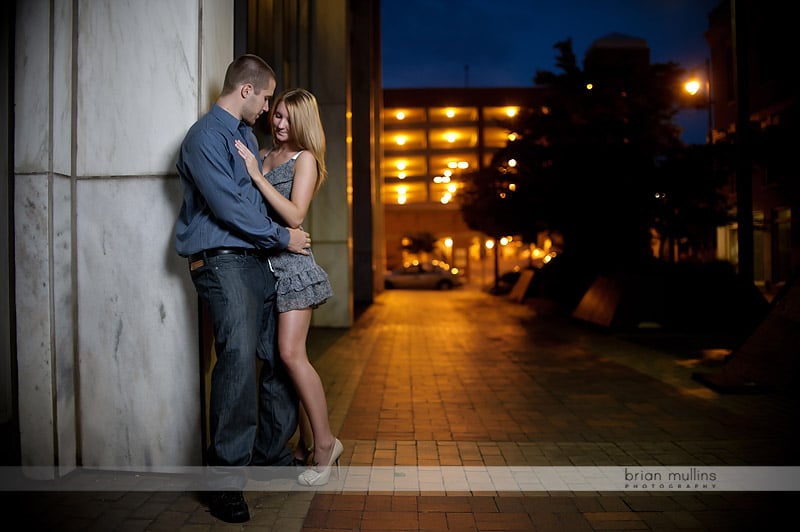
{"x": 294, "y": 210}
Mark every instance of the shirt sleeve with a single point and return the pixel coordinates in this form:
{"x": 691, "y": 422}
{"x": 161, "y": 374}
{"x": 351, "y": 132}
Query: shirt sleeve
{"x": 212, "y": 167}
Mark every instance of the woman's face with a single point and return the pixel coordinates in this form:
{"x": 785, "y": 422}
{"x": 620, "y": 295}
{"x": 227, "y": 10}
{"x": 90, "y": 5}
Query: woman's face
{"x": 280, "y": 123}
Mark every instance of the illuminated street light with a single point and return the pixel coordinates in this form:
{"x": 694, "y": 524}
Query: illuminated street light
{"x": 491, "y": 244}
{"x": 693, "y": 86}
{"x": 448, "y": 244}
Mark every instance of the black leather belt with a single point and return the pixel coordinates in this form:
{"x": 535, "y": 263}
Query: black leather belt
{"x": 215, "y": 252}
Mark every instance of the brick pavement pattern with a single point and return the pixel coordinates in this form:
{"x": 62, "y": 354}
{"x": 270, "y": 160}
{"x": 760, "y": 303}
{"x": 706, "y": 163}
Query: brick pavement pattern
{"x": 463, "y": 378}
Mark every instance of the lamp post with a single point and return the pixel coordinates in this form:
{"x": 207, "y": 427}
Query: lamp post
{"x": 496, "y": 267}
{"x": 493, "y": 244}
{"x": 710, "y": 138}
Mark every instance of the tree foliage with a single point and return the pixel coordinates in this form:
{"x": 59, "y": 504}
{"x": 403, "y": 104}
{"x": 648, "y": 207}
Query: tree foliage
{"x": 423, "y": 242}
{"x": 688, "y": 203}
{"x": 589, "y": 161}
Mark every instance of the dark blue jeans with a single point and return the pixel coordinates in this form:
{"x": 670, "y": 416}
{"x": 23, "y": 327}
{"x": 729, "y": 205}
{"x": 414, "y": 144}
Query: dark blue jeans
{"x": 251, "y": 417}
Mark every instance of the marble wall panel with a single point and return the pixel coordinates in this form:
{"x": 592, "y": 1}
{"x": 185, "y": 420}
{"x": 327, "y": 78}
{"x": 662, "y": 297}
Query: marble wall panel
{"x": 217, "y": 28}
{"x": 62, "y": 88}
{"x": 64, "y": 322}
{"x": 334, "y": 257}
{"x": 329, "y": 219}
{"x": 137, "y": 85}
{"x": 137, "y": 327}
{"x": 34, "y": 319}
{"x": 329, "y": 51}
{"x": 31, "y": 87}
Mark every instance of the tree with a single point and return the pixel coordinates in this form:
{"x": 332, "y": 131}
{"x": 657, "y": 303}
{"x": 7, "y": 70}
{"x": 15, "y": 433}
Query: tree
{"x": 586, "y": 160}
{"x": 419, "y": 243}
{"x": 688, "y": 203}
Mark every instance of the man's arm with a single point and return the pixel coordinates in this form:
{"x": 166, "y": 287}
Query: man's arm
{"x": 211, "y": 165}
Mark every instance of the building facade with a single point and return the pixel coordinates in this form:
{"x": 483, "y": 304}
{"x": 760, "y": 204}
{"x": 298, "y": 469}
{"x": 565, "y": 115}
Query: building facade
{"x": 431, "y": 139}
{"x": 751, "y": 92}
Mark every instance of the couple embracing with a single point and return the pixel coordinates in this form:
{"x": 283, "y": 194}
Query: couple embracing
{"x": 240, "y": 228}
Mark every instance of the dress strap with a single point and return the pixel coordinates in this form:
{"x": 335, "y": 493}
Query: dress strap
{"x": 296, "y": 155}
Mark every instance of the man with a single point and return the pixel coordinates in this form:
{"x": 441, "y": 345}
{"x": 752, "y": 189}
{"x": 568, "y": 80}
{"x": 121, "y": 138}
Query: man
{"x": 225, "y": 232}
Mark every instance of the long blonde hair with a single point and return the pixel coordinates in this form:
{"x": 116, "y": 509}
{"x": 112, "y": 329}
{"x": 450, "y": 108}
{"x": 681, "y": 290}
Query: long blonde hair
{"x": 305, "y": 126}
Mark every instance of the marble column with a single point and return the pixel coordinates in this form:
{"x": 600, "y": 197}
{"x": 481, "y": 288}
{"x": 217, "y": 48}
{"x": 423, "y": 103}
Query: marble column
{"x": 107, "y": 332}
{"x": 330, "y": 216}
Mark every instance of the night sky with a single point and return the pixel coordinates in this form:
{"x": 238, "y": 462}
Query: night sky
{"x": 502, "y": 43}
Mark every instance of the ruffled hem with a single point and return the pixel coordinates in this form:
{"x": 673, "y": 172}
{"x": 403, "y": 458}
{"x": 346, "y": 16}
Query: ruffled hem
{"x": 309, "y": 288}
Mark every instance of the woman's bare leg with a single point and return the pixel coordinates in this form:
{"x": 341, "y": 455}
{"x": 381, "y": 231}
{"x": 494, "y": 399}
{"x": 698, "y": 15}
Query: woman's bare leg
{"x": 292, "y": 335}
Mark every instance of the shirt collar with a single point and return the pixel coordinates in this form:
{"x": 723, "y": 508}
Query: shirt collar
{"x": 227, "y": 119}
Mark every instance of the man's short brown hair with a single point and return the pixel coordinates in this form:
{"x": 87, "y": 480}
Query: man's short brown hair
{"x": 248, "y": 68}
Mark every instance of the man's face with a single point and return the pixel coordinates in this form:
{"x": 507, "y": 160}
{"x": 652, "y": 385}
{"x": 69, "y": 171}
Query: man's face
{"x": 257, "y": 103}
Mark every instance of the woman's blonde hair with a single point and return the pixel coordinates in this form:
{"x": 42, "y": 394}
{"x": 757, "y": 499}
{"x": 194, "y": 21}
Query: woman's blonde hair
{"x": 305, "y": 125}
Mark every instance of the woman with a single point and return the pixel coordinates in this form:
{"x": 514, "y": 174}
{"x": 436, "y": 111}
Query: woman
{"x": 294, "y": 170}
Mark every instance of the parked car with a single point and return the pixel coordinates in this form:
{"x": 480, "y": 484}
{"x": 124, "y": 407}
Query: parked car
{"x": 430, "y": 276}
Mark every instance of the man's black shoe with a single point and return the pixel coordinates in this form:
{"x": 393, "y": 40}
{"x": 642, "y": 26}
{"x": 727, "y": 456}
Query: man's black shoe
{"x": 229, "y": 506}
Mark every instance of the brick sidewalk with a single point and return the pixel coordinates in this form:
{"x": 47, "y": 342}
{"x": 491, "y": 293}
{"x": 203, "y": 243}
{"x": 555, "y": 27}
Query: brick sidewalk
{"x": 465, "y": 379}
{"x": 461, "y": 379}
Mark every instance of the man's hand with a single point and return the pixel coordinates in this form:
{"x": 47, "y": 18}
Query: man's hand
{"x": 299, "y": 241}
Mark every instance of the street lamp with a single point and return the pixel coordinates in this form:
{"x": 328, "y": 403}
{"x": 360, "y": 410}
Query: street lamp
{"x": 491, "y": 244}
{"x": 693, "y": 86}
{"x": 448, "y": 244}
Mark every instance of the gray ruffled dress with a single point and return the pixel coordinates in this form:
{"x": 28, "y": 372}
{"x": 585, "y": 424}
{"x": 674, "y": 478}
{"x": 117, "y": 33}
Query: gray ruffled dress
{"x": 301, "y": 282}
